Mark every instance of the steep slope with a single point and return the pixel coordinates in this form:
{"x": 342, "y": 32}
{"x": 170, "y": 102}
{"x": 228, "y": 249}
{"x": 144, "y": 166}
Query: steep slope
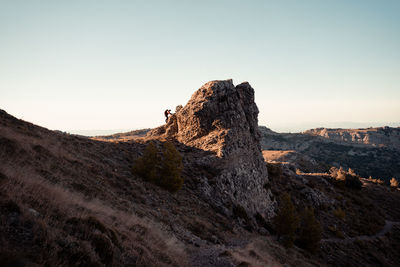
{"x": 71, "y": 201}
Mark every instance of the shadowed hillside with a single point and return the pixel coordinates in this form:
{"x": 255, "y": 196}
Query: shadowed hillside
{"x": 67, "y": 200}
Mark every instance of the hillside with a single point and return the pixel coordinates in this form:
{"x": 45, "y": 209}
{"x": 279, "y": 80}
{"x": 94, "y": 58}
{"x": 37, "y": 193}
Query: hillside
{"x": 371, "y": 152}
{"x": 68, "y": 200}
{"x": 376, "y": 137}
{"x": 374, "y": 154}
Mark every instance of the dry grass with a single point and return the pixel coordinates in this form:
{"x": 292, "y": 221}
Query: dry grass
{"x": 131, "y": 237}
{"x": 276, "y": 155}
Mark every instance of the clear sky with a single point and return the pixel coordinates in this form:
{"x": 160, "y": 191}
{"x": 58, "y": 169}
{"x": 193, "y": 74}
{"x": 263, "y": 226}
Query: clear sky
{"x": 84, "y": 65}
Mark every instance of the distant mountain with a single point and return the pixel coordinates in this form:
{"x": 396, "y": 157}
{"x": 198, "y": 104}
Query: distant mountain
{"x": 377, "y": 137}
{"x": 370, "y": 152}
{"x": 297, "y": 127}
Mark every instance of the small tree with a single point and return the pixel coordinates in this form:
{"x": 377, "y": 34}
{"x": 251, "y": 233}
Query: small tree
{"x": 286, "y": 220}
{"x": 353, "y": 181}
{"x": 352, "y": 172}
{"x": 342, "y": 178}
{"x": 171, "y": 168}
{"x": 147, "y": 165}
{"x": 310, "y": 230}
{"x": 339, "y": 213}
{"x": 394, "y": 183}
{"x": 165, "y": 171}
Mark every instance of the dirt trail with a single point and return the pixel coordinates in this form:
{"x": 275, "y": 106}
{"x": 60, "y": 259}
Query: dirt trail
{"x": 388, "y": 226}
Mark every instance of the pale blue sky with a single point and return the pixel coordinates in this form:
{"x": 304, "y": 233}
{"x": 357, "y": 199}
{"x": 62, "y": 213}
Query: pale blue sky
{"x": 118, "y": 64}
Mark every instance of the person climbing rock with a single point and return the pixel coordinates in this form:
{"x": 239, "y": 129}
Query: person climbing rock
{"x": 167, "y": 112}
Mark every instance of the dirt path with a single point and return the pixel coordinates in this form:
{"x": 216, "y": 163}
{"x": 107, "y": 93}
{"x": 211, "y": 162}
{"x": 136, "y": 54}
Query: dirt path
{"x": 388, "y": 226}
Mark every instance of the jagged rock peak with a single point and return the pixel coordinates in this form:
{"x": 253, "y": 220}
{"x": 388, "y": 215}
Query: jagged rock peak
{"x": 217, "y": 115}
{"x": 222, "y": 118}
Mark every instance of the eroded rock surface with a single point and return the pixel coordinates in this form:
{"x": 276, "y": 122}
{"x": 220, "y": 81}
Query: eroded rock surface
{"x": 222, "y": 118}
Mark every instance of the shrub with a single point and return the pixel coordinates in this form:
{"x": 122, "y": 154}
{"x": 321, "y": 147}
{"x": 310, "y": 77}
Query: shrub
{"x": 353, "y": 181}
{"x": 342, "y": 178}
{"x": 394, "y": 183}
{"x": 339, "y": 213}
{"x": 351, "y": 171}
{"x": 146, "y": 166}
{"x": 274, "y": 169}
{"x": 376, "y": 181}
{"x": 286, "y": 220}
{"x": 103, "y": 248}
{"x": 164, "y": 171}
{"x": 310, "y": 231}
{"x": 336, "y": 231}
{"x": 171, "y": 169}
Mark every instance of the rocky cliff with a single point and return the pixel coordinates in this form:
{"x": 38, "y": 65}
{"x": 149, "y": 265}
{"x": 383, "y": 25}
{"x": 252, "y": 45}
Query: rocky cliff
{"x": 370, "y": 152}
{"x": 222, "y": 118}
{"x": 377, "y": 137}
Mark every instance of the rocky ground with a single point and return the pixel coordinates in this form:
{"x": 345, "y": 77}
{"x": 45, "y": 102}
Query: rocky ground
{"x": 67, "y": 200}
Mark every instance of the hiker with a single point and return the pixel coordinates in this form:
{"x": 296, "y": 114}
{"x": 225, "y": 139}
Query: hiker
{"x": 167, "y": 112}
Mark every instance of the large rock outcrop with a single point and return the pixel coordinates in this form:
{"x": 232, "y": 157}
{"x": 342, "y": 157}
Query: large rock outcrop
{"x": 222, "y": 119}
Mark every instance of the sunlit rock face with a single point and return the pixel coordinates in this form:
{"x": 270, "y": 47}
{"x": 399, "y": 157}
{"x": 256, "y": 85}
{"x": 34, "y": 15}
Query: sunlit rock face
{"x": 222, "y": 118}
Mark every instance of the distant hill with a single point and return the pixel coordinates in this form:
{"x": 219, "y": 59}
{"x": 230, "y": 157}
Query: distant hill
{"x": 371, "y": 152}
{"x": 377, "y": 137}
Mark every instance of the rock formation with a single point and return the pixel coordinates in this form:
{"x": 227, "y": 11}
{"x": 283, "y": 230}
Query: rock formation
{"x": 222, "y": 119}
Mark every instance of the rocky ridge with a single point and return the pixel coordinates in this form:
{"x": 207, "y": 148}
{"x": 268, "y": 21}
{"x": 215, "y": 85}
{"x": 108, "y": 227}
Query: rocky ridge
{"x": 378, "y": 156}
{"x": 376, "y": 137}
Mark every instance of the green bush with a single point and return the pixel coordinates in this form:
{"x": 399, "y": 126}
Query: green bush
{"x": 339, "y": 213}
{"x": 165, "y": 170}
{"x": 170, "y": 176}
{"x": 286, "y": 220}
{"x": 346, "y": 179}
{"x": 147, "y": 165}
{"x": 310, "y": 231}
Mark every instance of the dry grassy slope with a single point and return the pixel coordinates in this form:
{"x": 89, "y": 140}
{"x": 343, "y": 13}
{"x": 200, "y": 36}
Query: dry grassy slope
{"x": 67, "y": 200}
{"x": 293, "y": 158}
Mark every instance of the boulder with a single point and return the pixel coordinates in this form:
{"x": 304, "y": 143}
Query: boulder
{"x": 222, "y": 118}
